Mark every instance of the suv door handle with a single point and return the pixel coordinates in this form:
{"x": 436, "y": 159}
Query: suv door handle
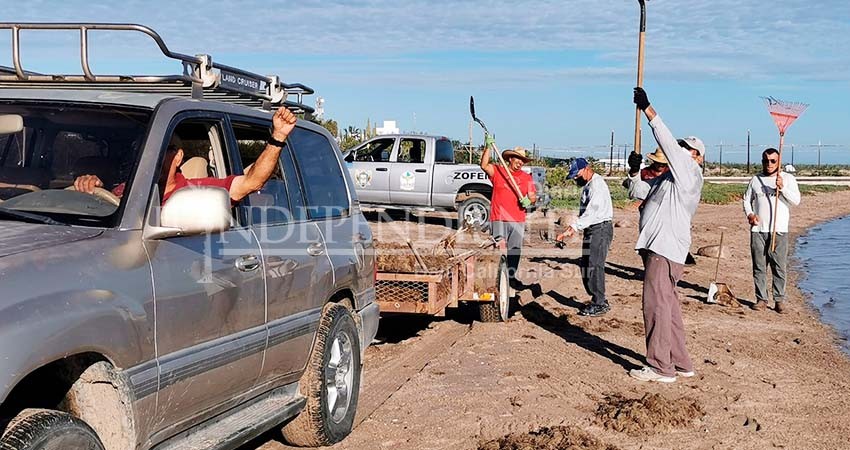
{"x": 247, "y": 263}
{"x": 421, "y": 170}
{"x": 380, "y": 169}
{"x": 315, "y": 249}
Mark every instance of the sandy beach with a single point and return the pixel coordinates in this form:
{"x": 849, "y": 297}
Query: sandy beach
{"x": 764, "y": 380}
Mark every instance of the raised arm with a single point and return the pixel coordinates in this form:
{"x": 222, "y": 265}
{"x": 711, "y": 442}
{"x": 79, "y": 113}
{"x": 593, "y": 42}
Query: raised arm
{"x": 486, "y": 165}
{"x": 264, "y": 166}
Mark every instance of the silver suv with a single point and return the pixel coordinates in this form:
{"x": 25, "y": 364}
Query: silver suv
{"x": 126, "y": 323}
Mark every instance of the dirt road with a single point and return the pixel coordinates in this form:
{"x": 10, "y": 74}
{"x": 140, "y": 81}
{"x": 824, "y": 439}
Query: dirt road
{"x": 763, "y": 380}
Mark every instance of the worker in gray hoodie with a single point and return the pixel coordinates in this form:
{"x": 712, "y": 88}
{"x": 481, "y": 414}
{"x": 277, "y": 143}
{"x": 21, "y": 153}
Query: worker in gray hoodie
{"x": 670, "y": 201}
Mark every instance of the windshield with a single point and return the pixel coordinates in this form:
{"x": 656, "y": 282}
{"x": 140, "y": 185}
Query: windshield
{"x": 60, "y": 143}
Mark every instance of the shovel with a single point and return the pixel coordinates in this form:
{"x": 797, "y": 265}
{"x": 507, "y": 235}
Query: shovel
{"x": 718, "y": 290}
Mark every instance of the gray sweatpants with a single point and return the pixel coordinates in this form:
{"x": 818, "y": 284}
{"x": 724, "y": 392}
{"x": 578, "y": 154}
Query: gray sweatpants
{"x": 512, "y": 233}
{"x": 777, "y": 260}
{"x": 662, "y": 316}
{"x": 594, "y": 251}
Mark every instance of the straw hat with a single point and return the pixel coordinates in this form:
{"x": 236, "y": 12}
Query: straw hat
{"x": 516, "y": 152}
{"x": 657, "y": 156}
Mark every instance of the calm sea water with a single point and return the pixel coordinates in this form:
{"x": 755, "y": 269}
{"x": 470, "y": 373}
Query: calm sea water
{"x": 823, "y": 255}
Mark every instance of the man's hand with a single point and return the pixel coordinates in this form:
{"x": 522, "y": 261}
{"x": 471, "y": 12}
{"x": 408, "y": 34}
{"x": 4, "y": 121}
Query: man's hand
{"x": 525, "y": 202}
{"x": 753, "y": 219}
{"x": 779, "y": 183}
{"x": 635, "y": 161}
{"x": 489, "y": 141}
{"x": 87, "y": 183}
{"x": 641, "y": 100}
{"x": 282, "y": 123}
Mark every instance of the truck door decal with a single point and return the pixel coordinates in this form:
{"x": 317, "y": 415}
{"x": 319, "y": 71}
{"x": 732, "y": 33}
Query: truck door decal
{"x": 363, "y": 178}
{"x": 407, "y": 181}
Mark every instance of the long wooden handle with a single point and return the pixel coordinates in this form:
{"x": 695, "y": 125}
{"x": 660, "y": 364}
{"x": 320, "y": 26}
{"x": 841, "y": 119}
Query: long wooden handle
{"x": 419, "y": 259}
{"x": 776, "y": 192}
{"x": 719, "y": 255}
{"x": 508, "y": 171}
{"x": 638, "y": 112}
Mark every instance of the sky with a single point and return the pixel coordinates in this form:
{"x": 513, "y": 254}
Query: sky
{"x": 555, "y": 75}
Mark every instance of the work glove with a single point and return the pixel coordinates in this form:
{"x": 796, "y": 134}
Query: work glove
{"x": 489, "y": 141}
{"x": 525, "y": 202}
{"x": 641, "y": 100}
{"x": 634, "y": 162}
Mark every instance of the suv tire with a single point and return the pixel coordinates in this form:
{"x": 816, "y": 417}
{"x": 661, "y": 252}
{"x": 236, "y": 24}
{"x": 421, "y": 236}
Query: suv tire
{"x": 44, "y": 429}
{"x": 331, "y": 382}
{"x": 498, "y": 309}
{"x": 476, "y": 208}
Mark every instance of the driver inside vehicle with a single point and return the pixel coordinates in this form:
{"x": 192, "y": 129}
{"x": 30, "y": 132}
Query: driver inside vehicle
{"x": 238, "y": 186}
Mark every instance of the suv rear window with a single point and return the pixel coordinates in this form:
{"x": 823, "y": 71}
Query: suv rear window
{"x": 324, "y": 184}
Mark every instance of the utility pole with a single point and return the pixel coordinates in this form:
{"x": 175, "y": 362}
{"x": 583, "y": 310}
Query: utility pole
{"x": 469, "y": 148}
{"x": 721, "y": 158}
{"x": 792, "y": 154}
{"x": 748, "y": 151}
{"x": 819, "y": 156}
{"x": 625, "y": 158}
{"x": 611, "y": 155}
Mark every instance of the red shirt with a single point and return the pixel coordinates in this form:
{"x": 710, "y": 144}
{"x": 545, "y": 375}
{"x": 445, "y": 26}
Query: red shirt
{"x": 181, "y": 182}
{"x": 504, "y": 205}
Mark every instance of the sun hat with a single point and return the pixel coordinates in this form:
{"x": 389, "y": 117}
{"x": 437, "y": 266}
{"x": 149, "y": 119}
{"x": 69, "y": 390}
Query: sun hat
{"x": 576, "y": 166}
{"x": 516, "y": 152}
{"x": 693, "y": 143}
{"x": 657, "y": 156}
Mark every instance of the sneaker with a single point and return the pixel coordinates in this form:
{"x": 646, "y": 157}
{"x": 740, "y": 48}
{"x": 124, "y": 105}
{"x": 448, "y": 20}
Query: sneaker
{"x": 594, "y": 310}
{"x": 760, "y": 305}
{"x": 688, "y": 374}
{"x": 781, "y": 308}
{"x": 647, "y": 374}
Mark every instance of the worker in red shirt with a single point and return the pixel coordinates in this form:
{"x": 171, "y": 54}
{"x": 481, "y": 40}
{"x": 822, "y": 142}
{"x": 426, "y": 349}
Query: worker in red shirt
{"x": 513, "y": 192}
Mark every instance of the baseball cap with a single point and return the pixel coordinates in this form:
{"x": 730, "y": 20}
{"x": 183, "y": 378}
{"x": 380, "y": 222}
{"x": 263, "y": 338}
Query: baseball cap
{"x": 576, "y": 166}
{"x": 692, "y": 143}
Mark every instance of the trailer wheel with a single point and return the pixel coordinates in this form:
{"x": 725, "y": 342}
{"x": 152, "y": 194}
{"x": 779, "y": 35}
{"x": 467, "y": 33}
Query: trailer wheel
{"x": 475, "y": 211}
{"x": 43, "y": 429}
{"x": 331, "y": 382}
{"x": 497, "y": 310}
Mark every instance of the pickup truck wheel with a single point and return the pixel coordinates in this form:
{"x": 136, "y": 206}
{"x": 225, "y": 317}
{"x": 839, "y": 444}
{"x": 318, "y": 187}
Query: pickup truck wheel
{"x": 331, "y": 383}
{"x": 497, "y": 310}
{"x": 474, "y": 211}
{"x": 43, "y": 429}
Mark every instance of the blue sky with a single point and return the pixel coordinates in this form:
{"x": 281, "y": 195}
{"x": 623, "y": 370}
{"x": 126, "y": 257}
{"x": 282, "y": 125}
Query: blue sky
{"x": 556, "y": 74}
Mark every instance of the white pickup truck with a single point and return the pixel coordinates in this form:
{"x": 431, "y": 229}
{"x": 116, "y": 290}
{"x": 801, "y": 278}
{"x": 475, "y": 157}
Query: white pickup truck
{"x": 418, "y": 172}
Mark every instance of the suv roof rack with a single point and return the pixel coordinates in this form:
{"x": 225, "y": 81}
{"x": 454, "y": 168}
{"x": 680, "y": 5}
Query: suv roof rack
{"x": 201, "y": 77}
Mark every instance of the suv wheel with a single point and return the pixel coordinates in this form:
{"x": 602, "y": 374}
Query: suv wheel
{"x": 498, "y": 309}
{"x": 331, "y": 382}
{"x": 43, "y": 429}
{"x": 474, "y": 211}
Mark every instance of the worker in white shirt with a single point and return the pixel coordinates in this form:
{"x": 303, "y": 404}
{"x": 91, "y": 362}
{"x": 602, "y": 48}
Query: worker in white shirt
{"x": 594, "y": 220}
{"x": 759, "y": 202}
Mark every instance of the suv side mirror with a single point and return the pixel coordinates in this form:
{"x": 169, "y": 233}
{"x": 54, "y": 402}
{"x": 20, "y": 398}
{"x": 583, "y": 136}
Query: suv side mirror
{"x": 11, "y": 123}
{"x": 193, "y": 210}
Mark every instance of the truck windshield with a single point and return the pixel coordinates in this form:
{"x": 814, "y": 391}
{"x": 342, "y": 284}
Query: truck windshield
{"x": 58, "y": 144}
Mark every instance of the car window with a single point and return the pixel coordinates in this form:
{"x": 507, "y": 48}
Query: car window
{"x": 322, "y": 179}
{"x": 375, "y": 151}
{"x": 445, "y": 151}
{"x": 270, "y": 205}
{"x": 61, "y": 142}
{"x": 411, "y": 151}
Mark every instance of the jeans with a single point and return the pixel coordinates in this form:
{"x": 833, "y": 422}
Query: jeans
{"x": 594, "y": 251}
{"x": 777, "y": 260}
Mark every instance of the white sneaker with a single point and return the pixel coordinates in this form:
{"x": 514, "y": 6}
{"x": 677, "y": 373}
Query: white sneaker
{"x": 647, "y": 374}
{"x": 685, "y": 374}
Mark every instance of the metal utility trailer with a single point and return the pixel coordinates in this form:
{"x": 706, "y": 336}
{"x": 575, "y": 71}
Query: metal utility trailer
{"x": 433, "y": 292}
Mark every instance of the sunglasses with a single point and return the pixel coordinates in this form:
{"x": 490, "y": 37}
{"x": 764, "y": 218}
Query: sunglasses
{"x": 772, "y": 161}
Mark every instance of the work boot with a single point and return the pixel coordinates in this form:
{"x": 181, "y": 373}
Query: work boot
{"x": 781, "y": 308}
{"x": 594, "y": 310}
{"x": 760, "y": 305}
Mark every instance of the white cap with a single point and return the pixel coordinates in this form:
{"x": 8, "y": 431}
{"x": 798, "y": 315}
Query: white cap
{"x": 692, "y": 143}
